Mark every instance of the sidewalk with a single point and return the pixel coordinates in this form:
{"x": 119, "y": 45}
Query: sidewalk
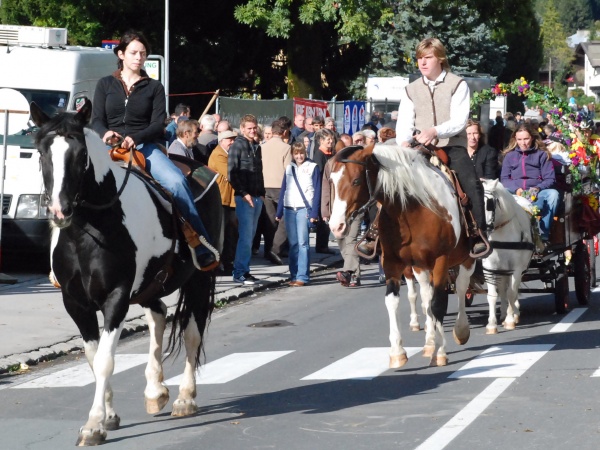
{"x": 37, "y": 328}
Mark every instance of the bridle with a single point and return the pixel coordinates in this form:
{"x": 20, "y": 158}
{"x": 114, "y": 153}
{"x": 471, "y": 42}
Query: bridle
{"x": 372, "y": 191}
{"x": 491, "y": 203}
{"x": 78, "y": 201}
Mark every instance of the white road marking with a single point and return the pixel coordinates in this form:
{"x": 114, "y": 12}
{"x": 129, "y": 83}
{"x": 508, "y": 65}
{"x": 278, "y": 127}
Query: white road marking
{"x": 505, "y": 361}
{"x": 441, "y": 438}
{"x": 365, "y": 364}
{"x": 81, "y": 375}
{"x": 596, "y": 373}
{"x": 568, "y": 320}
{"x": 231, "y": 367}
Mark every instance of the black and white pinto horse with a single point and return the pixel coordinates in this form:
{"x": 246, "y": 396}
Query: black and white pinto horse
{"x": 511, "y": 238}
{"x": 115, "y": 237}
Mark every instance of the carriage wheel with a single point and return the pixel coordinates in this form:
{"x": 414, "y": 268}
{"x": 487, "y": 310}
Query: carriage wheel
{"x": 582, "y": 272}
{"x": 469, "y": 296}
{"x": 561, "y": 294}
{"x": 591, "y": 245}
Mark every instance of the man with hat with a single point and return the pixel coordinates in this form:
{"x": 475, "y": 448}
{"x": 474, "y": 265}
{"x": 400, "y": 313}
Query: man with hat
{"x": 218, "y": 162}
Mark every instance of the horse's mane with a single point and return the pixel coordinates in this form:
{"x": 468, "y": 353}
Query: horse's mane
{"x": 406, "y": 175}
{"x": 63, "y": 124}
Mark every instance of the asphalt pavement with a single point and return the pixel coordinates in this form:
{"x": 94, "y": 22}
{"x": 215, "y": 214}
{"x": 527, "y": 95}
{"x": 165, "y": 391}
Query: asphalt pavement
{"x": 35, "y": 327}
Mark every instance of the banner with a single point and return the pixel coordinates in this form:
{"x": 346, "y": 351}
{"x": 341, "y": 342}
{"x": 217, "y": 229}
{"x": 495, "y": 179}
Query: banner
{"x": 354, "y": 116}
{"x": 265, "y": 111}
{"x": 310, "y": 108}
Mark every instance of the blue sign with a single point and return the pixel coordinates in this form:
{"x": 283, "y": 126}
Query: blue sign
{"x": 110, "y": 43}
{"x": 354, "y": 116}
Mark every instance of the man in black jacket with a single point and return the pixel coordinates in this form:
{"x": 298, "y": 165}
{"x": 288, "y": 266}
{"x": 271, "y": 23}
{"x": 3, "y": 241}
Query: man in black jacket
{"x": 246, "y": 178}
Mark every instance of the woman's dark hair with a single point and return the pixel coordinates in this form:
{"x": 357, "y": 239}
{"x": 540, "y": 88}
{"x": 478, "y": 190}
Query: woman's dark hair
{"x": 537, "y": 140}
{"x": 127, "y": 38}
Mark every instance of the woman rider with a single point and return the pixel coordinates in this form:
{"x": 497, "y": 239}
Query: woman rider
{"x": 131, "y": 106}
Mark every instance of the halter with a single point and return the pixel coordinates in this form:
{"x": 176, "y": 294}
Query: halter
{"x": 372, "y": 192}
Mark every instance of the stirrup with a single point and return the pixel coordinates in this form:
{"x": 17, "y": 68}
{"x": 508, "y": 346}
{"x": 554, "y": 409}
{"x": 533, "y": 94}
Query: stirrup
{"x": 488, "y": 248}
{"x": 365, "y": 255}
{"x": 213, "y": 250}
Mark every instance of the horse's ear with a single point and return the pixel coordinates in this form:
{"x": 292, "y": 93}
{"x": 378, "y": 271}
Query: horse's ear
{"x": 494, "y": 183}
{"x": 84, "y": 112}
{"x": 38, "y": 116}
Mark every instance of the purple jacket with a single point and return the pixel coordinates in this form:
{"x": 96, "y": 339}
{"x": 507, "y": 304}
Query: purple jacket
{"x": 527, "y": 169}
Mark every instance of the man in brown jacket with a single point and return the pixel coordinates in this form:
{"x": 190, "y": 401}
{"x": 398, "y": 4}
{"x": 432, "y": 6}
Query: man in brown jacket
{"x": 276, "y": 156}
{"x": 218, "y": 162}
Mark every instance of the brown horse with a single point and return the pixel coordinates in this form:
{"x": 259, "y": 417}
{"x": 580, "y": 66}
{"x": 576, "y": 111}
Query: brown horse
{"x": 420, "y": 227}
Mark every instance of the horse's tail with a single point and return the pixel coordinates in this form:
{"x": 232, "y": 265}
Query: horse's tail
{"x": 197, "y": 297}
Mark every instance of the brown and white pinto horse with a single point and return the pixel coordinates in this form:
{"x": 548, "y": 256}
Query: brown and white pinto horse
{"x": 420, "y": 227}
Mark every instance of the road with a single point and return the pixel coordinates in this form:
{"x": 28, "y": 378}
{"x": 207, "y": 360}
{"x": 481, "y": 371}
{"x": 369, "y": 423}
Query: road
{"x": 306, "y": 368}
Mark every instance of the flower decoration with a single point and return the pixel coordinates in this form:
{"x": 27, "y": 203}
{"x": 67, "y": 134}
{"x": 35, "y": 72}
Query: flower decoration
{"x": 584, "y": 151}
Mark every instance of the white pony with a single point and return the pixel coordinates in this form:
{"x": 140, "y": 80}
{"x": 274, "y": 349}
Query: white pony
{"x": 510, "y": 235}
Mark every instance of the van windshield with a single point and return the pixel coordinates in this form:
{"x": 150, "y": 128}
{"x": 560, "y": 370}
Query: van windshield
{"x": 51, "y": 102}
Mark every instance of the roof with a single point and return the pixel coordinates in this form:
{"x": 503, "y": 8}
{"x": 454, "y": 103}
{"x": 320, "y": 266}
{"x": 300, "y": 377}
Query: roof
{"x": 592, "y": 51}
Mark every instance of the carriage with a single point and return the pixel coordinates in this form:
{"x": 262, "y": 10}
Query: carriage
{"x": 552, "y": 268}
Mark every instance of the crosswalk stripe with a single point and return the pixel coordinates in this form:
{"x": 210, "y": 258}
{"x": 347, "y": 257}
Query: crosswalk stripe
{"x": 505, "y": 361}
{"x": 364, "y": 364}
{"x": 568, "y": 320}
{"x": 231, "y": 367}
{"x": 81, "y": 375}
{"x": 442, "y": 437}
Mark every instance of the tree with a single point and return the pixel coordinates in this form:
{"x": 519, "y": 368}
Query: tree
{"x": 574, "y": 14}
{"x": 469, "y": 41}
{"x": 557, "y": 53}
{"x": 306, "y": 26}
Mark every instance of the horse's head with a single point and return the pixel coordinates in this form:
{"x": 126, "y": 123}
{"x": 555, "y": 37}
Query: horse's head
{"x": 492, "y": 193}
{"x": 353, "y": 179}
{"x": 63, "y": 158}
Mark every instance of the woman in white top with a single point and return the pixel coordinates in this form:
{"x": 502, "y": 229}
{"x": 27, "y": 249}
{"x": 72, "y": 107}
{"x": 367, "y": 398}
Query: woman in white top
{"x": 299, "y": 204}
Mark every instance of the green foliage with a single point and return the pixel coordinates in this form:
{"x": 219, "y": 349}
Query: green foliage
{"x": 353, "y": 19}
{"x": 554, "y": 39}
{"x": 574, "y": 14}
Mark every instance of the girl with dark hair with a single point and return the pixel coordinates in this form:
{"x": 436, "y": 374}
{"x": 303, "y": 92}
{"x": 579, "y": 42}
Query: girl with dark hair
{"x": 129, "y": 105}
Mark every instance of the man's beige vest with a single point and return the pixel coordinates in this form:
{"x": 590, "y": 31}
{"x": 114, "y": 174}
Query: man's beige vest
{"x": 433, "y": 108}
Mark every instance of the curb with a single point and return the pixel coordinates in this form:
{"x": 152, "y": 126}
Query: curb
{"x": 12, "y": 363}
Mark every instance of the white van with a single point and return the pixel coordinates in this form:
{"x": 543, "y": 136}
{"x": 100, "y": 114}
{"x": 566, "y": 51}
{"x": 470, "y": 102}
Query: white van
{"x": 37, "y": 62}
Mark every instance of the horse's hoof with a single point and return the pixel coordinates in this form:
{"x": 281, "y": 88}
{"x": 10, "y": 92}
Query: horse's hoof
{"x": 508, "y": 326}
{"x": 493, "y": 330}
{"x": 112, "y": 423}
{"x": 89, "y": 438}
{"x": 461, "y": 340}
{"x": 155, "y": 405}
{"x": 415, "y": 328}
{"x": 397, "y": 361}
{"x": 183, "y": 408}
{"x": 440, "y": 361}
{"x": 428, "y": 351}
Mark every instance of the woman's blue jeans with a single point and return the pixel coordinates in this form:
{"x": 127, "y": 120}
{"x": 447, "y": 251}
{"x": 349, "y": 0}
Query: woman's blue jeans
{"x": 170, "y": 177}
{"x": 247, "y": 221}
{"x": 547, "y": 201}
{"x": 296, "y": 227}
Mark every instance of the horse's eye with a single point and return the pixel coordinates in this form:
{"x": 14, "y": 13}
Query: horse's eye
{"x": 356, "y": 182}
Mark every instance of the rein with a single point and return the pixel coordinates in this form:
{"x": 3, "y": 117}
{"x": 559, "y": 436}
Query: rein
{"x": 86, "y": 204}
{"x": 364, "y": 208}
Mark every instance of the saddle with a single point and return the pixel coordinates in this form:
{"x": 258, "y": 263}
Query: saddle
{"x": 439, "y": 159}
